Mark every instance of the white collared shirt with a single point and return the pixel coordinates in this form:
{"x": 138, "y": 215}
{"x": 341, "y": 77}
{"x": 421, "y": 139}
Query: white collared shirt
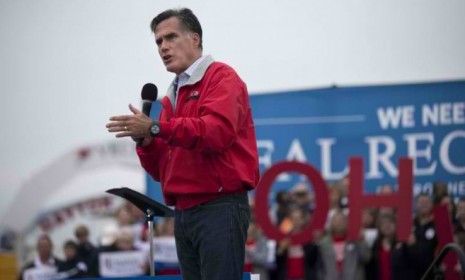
{"x": 184, "y": 76}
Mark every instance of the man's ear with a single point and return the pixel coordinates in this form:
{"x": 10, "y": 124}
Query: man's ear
{"x": 196, "y": 39}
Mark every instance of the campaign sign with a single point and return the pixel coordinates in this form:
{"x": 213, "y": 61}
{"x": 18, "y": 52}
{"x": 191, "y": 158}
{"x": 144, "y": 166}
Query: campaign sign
{"x": 165, "y": 252}
{"x": 325, "y": 127}
{"x": 123, "y": 264}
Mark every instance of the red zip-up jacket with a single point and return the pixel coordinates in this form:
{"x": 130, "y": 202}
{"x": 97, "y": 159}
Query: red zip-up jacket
{"x": 207, "y": 146}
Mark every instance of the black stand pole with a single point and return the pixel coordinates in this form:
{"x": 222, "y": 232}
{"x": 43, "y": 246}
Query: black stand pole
{"x": 151, "y": 209}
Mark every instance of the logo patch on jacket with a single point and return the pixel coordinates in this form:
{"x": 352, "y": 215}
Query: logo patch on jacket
{"x": 194, "y": 95}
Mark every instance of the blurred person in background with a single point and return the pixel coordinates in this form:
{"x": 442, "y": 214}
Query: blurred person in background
{"x": 302, "y": 197}
{"x": 86, "y": 251}
{"x": 424, "y": 233}
{"x": 137, "y": 215}
{"x": 44, "y": 258}
{"x": 390, "y": 259}
{"x": 124, "y": 216}
{"x": 125, "y": 240}
{"x": 256, "y": 251}
{"x": 72, "y": 266}
{"x": 299, "y": 196}
{"x": 440, "y": 190}
{"x": 370, "y": 231}
{"x": 459, "y": 221}
{"x": 166, "y": 227}
{"x": 341, "y": 258}
{"x": 107, "y": 239}
{"x": 336, "y": 195}
{"x": 129, "y": 216}
{"x": 120, "y": 240}
{"x": 138, "y": 223}
{"x": 343, "y": 187}
{"x": 165, "y": 230}
{"x": 283, "y": 200}
{"x": 296, "y": 262}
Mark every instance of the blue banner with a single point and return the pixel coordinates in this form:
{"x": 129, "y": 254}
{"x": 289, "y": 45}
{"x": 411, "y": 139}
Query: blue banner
{"x": 325, "y": 127}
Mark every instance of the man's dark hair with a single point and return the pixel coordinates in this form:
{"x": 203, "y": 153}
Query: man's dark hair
{"x": 185, "y": 16}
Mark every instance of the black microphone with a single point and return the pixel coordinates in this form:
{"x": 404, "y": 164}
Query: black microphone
{"x": 148, "y": 94}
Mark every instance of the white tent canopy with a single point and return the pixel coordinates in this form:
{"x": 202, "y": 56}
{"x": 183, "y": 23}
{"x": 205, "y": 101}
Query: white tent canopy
{"x": 45, "y": 189}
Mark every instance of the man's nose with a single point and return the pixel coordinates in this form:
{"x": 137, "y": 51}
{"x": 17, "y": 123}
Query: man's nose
{"x": 163, "y": 46}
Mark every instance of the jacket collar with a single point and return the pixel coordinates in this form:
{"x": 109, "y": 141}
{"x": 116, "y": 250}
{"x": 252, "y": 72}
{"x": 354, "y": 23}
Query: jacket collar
{"x": 199, "y": 72}
{"x": 196, "y": 76}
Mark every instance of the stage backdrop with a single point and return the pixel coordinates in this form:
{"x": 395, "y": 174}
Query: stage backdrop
{"x": 324, "y": 127}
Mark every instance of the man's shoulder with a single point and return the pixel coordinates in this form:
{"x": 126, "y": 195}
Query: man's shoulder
{"x": 221, "y": 69}
{"x": 218, "y": 65}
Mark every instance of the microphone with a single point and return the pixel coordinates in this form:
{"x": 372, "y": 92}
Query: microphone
{"x": 148, "y": 94}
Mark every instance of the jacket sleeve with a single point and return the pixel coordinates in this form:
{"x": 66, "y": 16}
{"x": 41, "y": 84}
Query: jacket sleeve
{"x": 222, "y": 113}
{"x": 149, "y": 157}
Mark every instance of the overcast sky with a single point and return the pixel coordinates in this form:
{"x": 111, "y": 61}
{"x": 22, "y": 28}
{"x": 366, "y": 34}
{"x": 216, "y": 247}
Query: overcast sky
{"x": 66, "y": 66}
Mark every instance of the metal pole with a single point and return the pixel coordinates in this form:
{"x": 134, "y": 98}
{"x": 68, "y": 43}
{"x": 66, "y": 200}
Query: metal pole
{"x": 150, "y": 225}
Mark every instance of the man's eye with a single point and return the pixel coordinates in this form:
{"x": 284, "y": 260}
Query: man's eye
{"x": 171, "y": 37}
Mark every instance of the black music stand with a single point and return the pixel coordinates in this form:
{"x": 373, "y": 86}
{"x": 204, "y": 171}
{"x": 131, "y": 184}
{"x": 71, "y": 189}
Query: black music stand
{"x": 150, "y": 207}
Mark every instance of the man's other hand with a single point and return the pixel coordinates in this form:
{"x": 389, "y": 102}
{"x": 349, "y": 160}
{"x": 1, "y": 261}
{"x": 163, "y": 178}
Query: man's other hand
{"x": 136, "y": 125}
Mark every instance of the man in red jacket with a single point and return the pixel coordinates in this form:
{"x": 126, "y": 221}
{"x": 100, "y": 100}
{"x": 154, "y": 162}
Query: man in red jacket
{"x": 202, "y": 150}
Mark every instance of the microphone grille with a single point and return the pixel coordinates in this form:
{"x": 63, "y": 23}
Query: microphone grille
{"x": 149, "y": 92}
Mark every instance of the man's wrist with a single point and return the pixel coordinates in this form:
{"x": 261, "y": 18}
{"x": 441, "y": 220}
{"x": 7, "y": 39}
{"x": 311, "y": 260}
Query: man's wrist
{"x": 154, "y": 129}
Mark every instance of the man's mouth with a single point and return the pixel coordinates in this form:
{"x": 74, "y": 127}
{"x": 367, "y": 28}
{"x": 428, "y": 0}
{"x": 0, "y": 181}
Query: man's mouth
{"x": 167, "y": 58}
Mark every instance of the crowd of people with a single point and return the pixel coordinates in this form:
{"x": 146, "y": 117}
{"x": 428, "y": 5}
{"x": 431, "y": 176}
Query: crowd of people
{"x": 377, "y": 254}
{"x": 82, "y": 258}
